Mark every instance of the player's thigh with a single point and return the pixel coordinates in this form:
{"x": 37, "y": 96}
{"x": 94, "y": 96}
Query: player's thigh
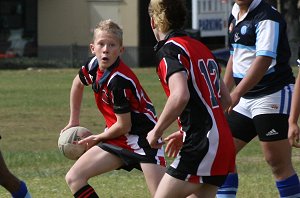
{"x": 206, "y": 190}
{"x": 153, "y": 174}
{"x": 171, "y": 187}
{"x": 271, "y": 127}
{"x": 272, "y": 132}
{"x": 242, "y": 129}
{"x": 94, "y": 162}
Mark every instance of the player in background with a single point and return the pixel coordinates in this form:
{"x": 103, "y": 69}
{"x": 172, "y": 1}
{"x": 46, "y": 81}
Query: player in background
{"x": 259, "y": 69}
{"x": 128, "y": 112}
{"x": 191, "y": 79}
{"x": 11, "y": 183}
{"x": 294, "y": 131}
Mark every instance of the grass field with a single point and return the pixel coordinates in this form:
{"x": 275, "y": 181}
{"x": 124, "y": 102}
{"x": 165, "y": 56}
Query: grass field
{"x": 34, "y": 107}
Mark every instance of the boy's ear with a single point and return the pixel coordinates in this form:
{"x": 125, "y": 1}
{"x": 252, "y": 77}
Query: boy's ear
{"x": 92, "y": 48}
{"x": 122, "y": 49}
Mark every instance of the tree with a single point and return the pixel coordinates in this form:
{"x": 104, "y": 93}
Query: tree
{"x": 290, "y": 10}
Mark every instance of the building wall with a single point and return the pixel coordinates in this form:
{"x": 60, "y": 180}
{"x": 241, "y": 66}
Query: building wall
{"x": 63, "y": 22}
{"x": 65, "y": 27}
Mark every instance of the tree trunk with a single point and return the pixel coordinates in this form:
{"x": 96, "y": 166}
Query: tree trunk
{"x": 290, "y": 12}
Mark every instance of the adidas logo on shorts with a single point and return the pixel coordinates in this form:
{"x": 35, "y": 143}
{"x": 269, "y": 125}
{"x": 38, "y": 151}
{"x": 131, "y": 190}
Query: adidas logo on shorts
{"x": 272, "y": 132}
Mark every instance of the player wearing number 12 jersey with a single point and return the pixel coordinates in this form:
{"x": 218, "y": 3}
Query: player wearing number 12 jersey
{"x": 208, "y": 147}
{"x": 197, "y": 97}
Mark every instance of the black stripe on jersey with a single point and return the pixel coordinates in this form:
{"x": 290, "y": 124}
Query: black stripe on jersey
{"x": 117, "y": 86}
{"x": 121, "y": 104}
{"x": 141, "y": 124}
{"x": 170, "y": 53}
{"x": 91, "y": 66}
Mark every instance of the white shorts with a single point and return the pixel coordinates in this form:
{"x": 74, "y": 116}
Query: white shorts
{"x": 276, "y": 103}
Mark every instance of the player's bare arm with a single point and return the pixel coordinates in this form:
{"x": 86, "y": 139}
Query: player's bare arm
{"x": 121, "y": 127}
{"x": 178, "y": 99}
{"x": 256, "y": 72}
{"x": 76, "y": 95}
{"x": 228, "y": 76}
{"x": 294, "y": 131}
{"x": 225, "y": 96}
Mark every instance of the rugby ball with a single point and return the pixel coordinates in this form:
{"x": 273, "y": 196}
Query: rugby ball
{"x": 67, "y": 142}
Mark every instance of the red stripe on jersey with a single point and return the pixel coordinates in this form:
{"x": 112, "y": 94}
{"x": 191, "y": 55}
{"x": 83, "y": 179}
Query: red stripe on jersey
{"x": 194, "y": 179}
{"x": 86, "y": 75}
{"x": 225, "y": 149}
{"x": 162, "y": 75}
{"x": 162, "y": 161}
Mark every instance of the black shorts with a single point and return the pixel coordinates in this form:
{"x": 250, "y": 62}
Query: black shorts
{"x": 216, "y": 180}
{"x": 268, "y": 127}
{"x": 131, "y": 160}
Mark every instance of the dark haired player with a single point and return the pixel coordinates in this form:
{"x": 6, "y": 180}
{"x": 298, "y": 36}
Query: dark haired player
{"x": 10, "y": 182}
{"x": 261, "y": 101}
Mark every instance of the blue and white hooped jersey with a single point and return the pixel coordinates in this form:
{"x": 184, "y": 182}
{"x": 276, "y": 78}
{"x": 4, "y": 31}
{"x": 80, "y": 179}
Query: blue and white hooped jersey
{"x": 260, "y": 32}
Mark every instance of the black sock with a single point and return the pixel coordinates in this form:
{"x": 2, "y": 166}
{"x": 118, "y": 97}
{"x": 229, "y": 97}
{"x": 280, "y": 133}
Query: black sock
{"x": 86, "y": 192}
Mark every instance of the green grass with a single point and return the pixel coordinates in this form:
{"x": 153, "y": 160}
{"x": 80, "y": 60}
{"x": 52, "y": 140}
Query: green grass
{"x": 34, "y": 107}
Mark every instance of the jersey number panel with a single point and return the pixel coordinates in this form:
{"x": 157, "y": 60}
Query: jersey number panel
{"x": 210, "y": 72}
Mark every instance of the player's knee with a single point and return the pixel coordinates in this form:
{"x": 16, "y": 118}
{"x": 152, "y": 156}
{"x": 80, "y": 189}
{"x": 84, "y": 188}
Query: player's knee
{"x": 278, "y": 166}
{"x": 69, "y": 178}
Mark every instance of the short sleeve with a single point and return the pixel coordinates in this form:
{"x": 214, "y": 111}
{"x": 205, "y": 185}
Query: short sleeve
{"x": 87, "y": 73}
{"x": 120, "y": 101}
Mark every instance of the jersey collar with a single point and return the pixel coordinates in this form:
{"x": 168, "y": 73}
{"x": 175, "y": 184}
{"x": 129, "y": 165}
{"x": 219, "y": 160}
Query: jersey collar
{"x": 171, "y": 34}
{"x": 236, "y": 10}
{"x": 97, "y": 85}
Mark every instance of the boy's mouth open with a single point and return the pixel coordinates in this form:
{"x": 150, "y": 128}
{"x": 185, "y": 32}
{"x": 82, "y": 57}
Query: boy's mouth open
{"x": 105, "y": 59}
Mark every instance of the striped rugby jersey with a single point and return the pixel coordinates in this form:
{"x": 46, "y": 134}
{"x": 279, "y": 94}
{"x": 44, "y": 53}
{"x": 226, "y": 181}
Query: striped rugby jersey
{"x": 208, "y": 147}
{"x": 117, "y": 90}
{"x": 260, "y": 32}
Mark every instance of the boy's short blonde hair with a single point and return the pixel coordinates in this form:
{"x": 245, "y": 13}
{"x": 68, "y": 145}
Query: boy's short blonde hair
{"x": 110, "y": 27}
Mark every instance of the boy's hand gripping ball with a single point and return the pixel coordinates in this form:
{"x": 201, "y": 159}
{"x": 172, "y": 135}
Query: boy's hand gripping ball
{"x": 67, "y": 142}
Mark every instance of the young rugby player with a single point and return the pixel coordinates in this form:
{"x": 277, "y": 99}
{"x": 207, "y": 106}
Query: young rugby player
{"x": 191, "y": 79}
{"x": 259, "y": 69}
{"x": 128, "y": 112}
{"x": 11, "y": 183}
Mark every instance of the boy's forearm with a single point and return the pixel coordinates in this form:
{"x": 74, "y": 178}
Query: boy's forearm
{"x": 295, "y": 107}
{"x": 76, "y": 96}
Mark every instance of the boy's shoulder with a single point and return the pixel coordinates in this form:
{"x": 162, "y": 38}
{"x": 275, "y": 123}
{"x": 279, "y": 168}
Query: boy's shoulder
{"x": 91, "y": 63}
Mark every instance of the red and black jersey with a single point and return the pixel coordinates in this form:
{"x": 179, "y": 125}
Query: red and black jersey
{"x": 117, "y": 90}
{"x": 208, "y": 138}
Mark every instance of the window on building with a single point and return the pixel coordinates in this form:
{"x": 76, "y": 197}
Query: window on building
{"x": 18, "y": 28}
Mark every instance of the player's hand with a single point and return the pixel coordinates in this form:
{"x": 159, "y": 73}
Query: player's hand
{"x": 69, "y": 126}
{"x": 235, "y": 99}
{"x": 154, "y": 140}
{"x": 90, "y": 141}
{"x": 294, "y": 135}
{"x": 175, "y": 142}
